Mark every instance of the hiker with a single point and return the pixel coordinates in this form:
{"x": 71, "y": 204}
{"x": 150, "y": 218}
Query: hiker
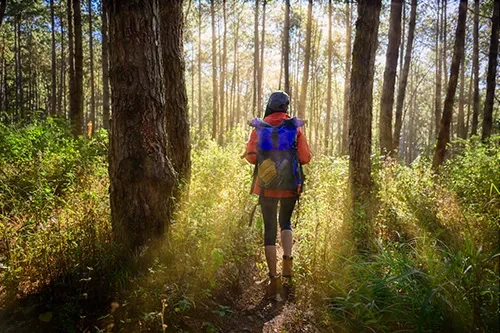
{"x": 278, "y": 147}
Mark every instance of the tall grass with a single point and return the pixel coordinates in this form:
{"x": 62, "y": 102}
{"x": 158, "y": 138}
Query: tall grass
{"x": 434, "y": 268}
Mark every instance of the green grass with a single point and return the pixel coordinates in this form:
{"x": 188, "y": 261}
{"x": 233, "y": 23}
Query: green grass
{"x": 434, "y": 265}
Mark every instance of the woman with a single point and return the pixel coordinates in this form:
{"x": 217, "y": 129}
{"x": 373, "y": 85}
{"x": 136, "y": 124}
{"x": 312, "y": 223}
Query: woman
{"x": 276, "y": 112}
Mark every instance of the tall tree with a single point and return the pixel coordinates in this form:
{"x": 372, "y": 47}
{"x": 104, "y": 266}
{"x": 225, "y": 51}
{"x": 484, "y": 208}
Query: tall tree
{"x": 141, "y": 174}
{"x": 360, "y": 128}
{"x": 200, "y": 116}
{"x": 347, "y": 81}
{"x": 391, "y": 64}
{"x": 92, "y": 86}
{"x": 105, "y": 69}
{"x": 461, "y": 101}
{"x": 61, "y": 99}
{"x": 223, "y": 68}
{"x": 176, "y": 108}
{"x": 438, "y": 63}
{"x": 475, "y": 66}
{"x": 329, "y": 80}
{"x": 54, "y": 68}
{"x": 286, "y": 48}
{"x": 261, "y": 61}
{"x": 3, "y": 5}
{"x": 458, "y": 52}
{"x": 307, "y": 59}
{"x": 71, "y": 60}
{"x": 255, "y": 60}
{"x": 214, "y": 74}
{"x": 404, "y": 78}
{"x": 77, "y": 112}
{"x": 492, "y": 71}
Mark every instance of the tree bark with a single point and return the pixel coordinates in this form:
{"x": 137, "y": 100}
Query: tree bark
{"x": 347, "y": 82}
{"x": 255, "y": 59}
{"x": 141, "y": 174}
{"x": 286, "y": 48}
{"x": 391, "y": 64}
{"x": 3, "y": 5}
{"x": 475, "y": 66}
{"x": 329, "y": 80}
{"x": 261, "y": 62}
{"x": 404, "y": 79}
{"x": 445, "y": 37}
{"x": 360, "y": 129}
{"x": 176, "y": 108}
{"x": 71, "y": 60}
{"x": 92, "y": 86}
{"x": 105, "y": 70}
{"x": 307, "y": 59}
{"x": 77, "y": 113}
{"x": 458, "y": 52}
{"x": 53, "y": 62}
{"x": 223, "y": 67}
{"x": 437, "y": 100}
{"x": 214, "y": 74}
{"x": 492, "y": 71}
{"x": 200, "y": 114}
{"x": 461, "y": 115}
{"x": 62, "y": 77}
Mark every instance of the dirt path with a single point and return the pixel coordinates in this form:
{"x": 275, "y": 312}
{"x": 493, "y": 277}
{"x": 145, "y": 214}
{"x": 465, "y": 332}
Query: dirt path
{"x": 246, "y": 308}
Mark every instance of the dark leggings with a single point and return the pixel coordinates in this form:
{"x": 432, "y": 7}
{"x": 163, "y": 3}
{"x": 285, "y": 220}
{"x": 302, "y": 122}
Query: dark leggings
{"x": 269, "y": 209}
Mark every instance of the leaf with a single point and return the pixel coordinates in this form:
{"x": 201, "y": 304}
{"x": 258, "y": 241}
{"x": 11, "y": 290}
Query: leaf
{"x": 45, "y": 317}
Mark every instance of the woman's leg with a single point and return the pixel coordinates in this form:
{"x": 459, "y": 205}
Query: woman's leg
{"x": 269, "y": 208}
{"x": 286, "y": 209}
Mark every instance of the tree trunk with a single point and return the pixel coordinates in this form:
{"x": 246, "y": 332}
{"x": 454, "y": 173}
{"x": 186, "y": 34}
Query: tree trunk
{"x": 445, "y": 50}
{"x": 261, "y": 62}
{"x": 223, "y": 68}
{"x": 200, "y": 114}
{"x": 347, "y": 82}
{"x": 404, "y": 78}
{"x": 176, "y": 108}
{"x": 54, "y": 67}
{"x": 458, "y": 52}
{"x": 437, "y": 100}
{"x": 77, "y": 113}
{"x": 475, "y": 66}
{"x": 469, "y": 101}
{"x": 142, "y": 177}
{"x": 71, "y": 60}
{"x": 255, "y": 59}
{"x": 62, "y": 77}
{"x": 92, "y": 86}
{"x": 329, "y": 80}
{"x": 461, "y": 115}
{"x": 391, "y": 64}
{"x": 360, "y": 129}
{"x": 492, "y": 71}
{"x": 307, "y": 59}
{"x": 105, "y": 70}
{"x": 286, "y": 48}
{"x": 214, "y": 74}
{"x": 3, "y": 5}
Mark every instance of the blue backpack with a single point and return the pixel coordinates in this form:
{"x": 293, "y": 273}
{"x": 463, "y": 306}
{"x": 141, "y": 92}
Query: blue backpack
{"x": 278, "y": 166}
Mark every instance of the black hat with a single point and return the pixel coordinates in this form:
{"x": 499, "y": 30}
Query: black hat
{"x": 278, "y": 102}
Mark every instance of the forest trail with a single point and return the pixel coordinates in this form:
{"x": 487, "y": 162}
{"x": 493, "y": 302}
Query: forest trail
{"x": 250, "y": 311}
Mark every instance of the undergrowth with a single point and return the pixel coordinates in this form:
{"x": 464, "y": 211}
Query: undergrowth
{"x": 434, "y": 267}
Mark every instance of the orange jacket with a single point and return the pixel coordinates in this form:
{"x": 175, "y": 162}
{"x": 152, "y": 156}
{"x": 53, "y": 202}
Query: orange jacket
{"x": 303, "y": 153}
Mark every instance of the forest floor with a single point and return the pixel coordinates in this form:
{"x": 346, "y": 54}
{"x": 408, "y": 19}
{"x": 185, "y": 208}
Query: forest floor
{"x": 248, "y": 309}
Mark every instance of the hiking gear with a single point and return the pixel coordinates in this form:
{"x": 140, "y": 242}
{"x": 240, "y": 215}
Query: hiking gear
{"x": 270, "y": 251}
{"x": 274, "y": 286}
{"x": 269, "y": 208}
{"x": 287, "y": 266}
{"x": 277, "y": 161}
{"x": 303, "y": 154}
{"x": 287, "y": 242}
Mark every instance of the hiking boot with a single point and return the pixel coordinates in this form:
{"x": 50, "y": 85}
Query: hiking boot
{"x": 287, "y": 266}
{"x": 274, "y": 286}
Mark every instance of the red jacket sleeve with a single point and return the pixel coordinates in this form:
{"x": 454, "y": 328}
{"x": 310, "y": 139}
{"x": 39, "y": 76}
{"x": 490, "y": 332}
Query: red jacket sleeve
{"x": 303, "y": 151}
{"x": 251, "y": 151}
